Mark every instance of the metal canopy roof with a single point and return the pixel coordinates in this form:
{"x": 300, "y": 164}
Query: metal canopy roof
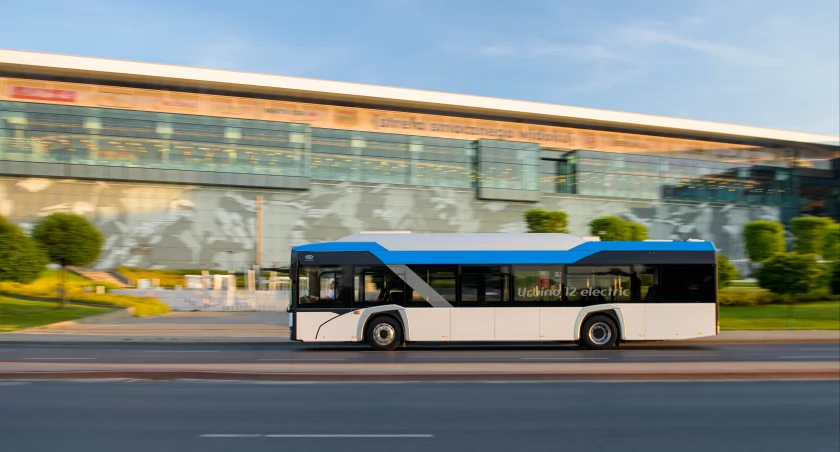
{"x": 129, "y": 71}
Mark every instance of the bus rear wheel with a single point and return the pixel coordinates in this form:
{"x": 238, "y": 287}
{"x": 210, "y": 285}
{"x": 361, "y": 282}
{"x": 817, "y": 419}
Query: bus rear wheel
{"x": 599, "y": 332}
{"x": 384, "y": 333}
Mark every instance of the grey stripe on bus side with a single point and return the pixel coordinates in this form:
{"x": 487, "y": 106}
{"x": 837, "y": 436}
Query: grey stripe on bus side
{"x": 415, "y": 282}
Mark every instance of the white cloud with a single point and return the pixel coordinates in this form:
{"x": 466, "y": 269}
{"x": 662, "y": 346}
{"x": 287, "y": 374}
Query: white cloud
{"x": 740, "y": 56}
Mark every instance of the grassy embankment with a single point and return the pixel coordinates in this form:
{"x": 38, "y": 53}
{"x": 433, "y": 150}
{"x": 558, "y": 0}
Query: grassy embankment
{"x": 745, "y": 306}
{"x": 19, "y": 314}
{"x": 40, "y": 312}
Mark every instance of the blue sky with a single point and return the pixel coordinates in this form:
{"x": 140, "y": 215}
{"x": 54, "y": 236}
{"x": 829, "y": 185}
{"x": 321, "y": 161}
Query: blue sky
{"x": 768, "y": 63}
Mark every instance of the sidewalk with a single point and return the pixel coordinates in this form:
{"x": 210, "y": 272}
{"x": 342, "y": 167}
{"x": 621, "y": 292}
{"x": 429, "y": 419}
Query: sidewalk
{"x": 206, "y": 328}
{"x": 344, "y": 372}
{"x": 175, "y": 327}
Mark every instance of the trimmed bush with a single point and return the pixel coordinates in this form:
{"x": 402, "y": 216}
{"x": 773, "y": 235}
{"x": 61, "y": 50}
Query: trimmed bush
{"x": 789, "y": 273}
{"x": 68, "y": 239}
{"x": 21, "y": 260}
{"x": 726, "y": 271}
{"x": 638, "y": 231}
{"x": 809, "y": 233}
{"x": 616, "y": 229}
{"x": 763, "y": 239}
{"x": 543, "y": 221}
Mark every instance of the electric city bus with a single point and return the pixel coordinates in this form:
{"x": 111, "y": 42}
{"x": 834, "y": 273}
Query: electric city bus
{"x": 388, "y": 289}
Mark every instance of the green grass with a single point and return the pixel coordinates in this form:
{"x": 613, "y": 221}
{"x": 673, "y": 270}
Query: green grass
{"x": 20, "y": 314}
{"x": 743, "y": 289}
{"x": 83, "y": 290}
{"x": 803, "y": 316}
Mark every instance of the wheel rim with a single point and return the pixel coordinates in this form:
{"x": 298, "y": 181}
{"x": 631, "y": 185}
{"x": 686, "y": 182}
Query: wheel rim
{"x": 600, "y": 333}
{"x": 383, "y": 334}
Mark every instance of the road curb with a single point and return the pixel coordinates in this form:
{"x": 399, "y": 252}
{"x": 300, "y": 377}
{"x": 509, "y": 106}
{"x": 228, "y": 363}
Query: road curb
{"x": 286, "y": 343}
{"x": 349, "y": 377}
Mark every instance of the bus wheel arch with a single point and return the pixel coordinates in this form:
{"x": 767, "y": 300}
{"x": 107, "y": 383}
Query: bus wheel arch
{"x": 600, "y": 331}
{"x": 384, "y": 331}
{"x": 613, "y": 313}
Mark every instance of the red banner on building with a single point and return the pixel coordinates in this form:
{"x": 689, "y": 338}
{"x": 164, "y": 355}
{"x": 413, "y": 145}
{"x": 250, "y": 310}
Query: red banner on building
{"x": 50, "y": 95}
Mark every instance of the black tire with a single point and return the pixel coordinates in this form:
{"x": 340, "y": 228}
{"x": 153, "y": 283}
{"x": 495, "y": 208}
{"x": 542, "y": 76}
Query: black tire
{"x": 599, "y": 333}
{"x": 383, "y": 333}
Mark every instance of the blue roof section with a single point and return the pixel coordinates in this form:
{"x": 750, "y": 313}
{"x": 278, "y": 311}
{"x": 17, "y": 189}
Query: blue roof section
{"x": 645, "y": 246}
{"x": 587, "y": 247}
{"x": 480, "y": 257}
{"x": 340, "y": 246}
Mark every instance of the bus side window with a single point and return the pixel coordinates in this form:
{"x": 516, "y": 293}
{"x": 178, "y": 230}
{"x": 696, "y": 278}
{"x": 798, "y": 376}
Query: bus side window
{"x": 646, "y": 286}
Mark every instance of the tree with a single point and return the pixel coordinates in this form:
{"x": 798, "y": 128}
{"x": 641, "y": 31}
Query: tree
{"x": 763, "y": 238}
{"x": 610, "y": 229}
{"x": 726, "y": 271}
{"x": 543, "y": 221}
{"x": 68, "y": 240}
{"x": 789, "y": 273}
{"x": 21, "y": 260}
{"x": 809, "y": 233}
{"x": 831, "y": 243}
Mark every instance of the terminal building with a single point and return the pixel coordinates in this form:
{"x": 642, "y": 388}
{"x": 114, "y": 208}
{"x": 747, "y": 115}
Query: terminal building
{"x": 194, "y": 168}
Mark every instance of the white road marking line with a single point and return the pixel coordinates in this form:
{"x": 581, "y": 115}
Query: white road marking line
{"x": 40, "y": 359}
{"x": 302, "y": 359}
{"x": 824, "y": 349}
{"x": 225, "y": 435}
{"x": 810, "y": 356}
{"x": 557, "y": 358}
{"x": 315, "y": 435}
{"x": 180, "y": 351}
{"x": 362, "y": 435}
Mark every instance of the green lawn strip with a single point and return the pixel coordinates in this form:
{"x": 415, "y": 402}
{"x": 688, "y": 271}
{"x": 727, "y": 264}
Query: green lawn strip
{"x": 83, "y": 291}
{"x": 803, "y": 316}
{"x": 19, "y": 314}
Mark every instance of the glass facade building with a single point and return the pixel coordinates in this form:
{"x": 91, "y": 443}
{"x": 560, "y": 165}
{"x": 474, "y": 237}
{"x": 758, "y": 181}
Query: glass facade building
{"x": 331, "y": 168}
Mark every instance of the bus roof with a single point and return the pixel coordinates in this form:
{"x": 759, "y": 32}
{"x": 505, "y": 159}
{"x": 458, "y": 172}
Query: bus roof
{"x": 439, "y": 242}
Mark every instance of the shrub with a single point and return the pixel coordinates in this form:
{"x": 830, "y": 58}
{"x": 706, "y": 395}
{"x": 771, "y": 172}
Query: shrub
{"x": 763, "y": 239}
{"x": 609, "y": 229}
{"x": 831, "y": 243}
{"x": 789, "y": 273}
{"x": 809, "y": 234}
{"x": 727, "y": 272}
{"x": 638, "y": 231}
{"x": 616, "y": 229}
{"x": 543, "y": 221}
{"x": 20, "y": 258}
{"x": 68, "y": 239}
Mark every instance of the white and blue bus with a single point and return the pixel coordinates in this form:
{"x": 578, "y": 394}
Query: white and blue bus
{"x": 388, "y": 289}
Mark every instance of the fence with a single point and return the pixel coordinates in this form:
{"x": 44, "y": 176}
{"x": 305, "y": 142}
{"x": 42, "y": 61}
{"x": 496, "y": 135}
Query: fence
{"x": 216, "y": 300}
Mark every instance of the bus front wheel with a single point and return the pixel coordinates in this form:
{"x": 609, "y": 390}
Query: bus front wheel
{"x": 599, "y": 332}
{"x": 384, "y": 333}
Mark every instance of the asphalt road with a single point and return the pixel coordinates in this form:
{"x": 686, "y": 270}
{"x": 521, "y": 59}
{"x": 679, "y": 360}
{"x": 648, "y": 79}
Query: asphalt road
{"x": 665, "y": 352}
{"x": 129, "y": 416}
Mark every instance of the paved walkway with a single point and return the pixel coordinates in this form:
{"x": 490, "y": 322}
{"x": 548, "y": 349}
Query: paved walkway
{"x": 272, "y": 327}
{"x": 178, "y": 327}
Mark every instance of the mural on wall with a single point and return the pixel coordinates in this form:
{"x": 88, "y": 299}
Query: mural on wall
{"x": 173, "y": 226}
